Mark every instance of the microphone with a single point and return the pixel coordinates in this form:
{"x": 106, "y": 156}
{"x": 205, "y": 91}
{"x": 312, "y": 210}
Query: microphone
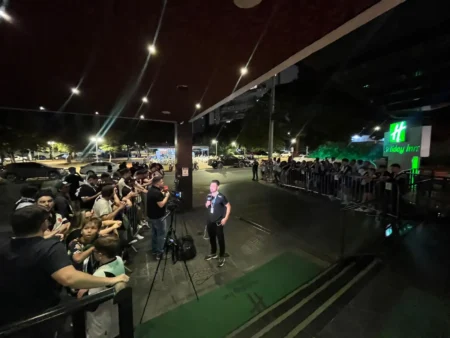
{"x": 209, "y": 198}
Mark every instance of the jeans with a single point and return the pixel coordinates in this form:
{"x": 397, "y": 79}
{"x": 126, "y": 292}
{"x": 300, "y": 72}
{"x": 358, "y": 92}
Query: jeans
{"x": 158, "y": 233}
{"x": 214, "y": 231}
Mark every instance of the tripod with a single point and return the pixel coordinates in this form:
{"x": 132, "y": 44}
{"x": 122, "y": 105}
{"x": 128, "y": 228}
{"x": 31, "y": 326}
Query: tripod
{"x": 170, "y": 243}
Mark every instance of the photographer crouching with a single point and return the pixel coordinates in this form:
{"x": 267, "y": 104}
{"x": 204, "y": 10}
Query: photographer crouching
{"x": 219, "y": 210}
{"x": 157, "y": 199}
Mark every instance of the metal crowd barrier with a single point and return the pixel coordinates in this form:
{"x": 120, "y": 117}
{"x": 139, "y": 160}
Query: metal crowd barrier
{"x": 424, "y": 193}
{"x": 121, "y": 295}
{"x": 134, "y": 215}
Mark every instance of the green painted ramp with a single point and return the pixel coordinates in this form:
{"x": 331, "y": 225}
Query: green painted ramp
{"x": 225, "y": 309}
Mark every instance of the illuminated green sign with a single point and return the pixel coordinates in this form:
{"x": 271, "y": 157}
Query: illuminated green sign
{"x": 397, "y": 132}
{"x": 401, "y": 149}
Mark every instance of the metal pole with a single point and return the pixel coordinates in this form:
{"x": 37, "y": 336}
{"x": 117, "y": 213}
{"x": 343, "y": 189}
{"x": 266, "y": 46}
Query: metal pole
{"x": 96, "y": 149}
{"x": 271, "y": 122}
{"x": 216, "y": 148}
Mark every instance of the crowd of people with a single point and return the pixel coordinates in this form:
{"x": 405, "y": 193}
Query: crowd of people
{"x": 358, "y": 182}
{"x": 74, "y": 241}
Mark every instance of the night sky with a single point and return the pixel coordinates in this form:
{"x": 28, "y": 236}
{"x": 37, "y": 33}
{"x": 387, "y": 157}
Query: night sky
{"x": 101, "y": 48}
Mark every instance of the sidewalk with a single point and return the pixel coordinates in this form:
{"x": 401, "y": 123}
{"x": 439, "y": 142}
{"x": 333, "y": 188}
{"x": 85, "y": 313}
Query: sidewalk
{"x": 248, "y": 248}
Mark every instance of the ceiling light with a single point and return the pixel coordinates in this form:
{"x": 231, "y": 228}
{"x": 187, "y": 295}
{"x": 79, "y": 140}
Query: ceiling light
{"x": 144, "y": 99}
{"x": 96, "y": 113}
{"x": 165, "y": 112}
{"x": 244, "y": 71}
{"x": 245, "y": 4}
{"x": 377, "y": 128}
{"x": 5, "y": 15}
{"x": 198, "y": 106}
{"x": 142, "y": 117}
{"x": 151, "y": 49}
{"x": 75, "y": 91}
{"x": 41, "y": 108}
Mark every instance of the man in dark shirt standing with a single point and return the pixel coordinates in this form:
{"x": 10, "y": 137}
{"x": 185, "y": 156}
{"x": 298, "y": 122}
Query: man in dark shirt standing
{"x": 62, "y": 200}
{"x": 156, "y": 211}
{"x": 32, "y": 270}
{"x": 255, "y": 170}
{"x": 74, "y": 179}
{"x": 87, "y": 192}
{"x": 219, "y": 210}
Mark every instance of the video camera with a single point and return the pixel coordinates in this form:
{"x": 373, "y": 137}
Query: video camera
{"x": 174, "y": 200}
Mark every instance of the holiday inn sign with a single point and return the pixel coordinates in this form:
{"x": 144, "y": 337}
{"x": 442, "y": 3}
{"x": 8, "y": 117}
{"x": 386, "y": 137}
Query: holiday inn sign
{"x": 397, "y": 132}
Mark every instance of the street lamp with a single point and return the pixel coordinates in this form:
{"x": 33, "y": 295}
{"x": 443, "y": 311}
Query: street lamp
{"x": 377, "y": 128}
{"x": 97, "y": 140}
{"x": 233, "y": 144}
{"x": 289, "y": 133}
{"x": 51, "y": 143}
{"x": 293, "y": 141}
{"x": 215, "y": 142}
{"x": 244, "y": 71}
{"x": 142, "y": 117}
{"x": 41, "y": 108}
{"x": 144, "y": 99}
{"x": 96, "y": 113}
{"x": 198, "y": 106}
{"x": 75, "y": 91}
{"x": 151, "y": 49}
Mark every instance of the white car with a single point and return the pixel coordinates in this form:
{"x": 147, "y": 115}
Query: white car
{"x": 99, "y": 168}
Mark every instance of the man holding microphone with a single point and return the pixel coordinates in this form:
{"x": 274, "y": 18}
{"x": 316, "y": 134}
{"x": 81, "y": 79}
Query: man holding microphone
{"x": 219, "y": 210}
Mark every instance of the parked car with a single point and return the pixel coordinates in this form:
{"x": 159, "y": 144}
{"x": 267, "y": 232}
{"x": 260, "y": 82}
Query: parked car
{"x": 227, "y": 160}
{"x": 22, "y": 171}
{"x": 99, "y": 168}
{"x": 40, "y": 157}
{"x": 61, "y": 157}
{"x": 17, "y": 158}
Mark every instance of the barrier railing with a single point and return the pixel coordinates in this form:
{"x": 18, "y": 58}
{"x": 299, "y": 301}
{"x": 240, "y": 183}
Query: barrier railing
{"x": 121, "y": 295}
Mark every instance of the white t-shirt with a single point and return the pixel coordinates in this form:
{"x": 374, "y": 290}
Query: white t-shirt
{"x": 102, "y": 207}
{"x": 104, "y": 322}
{"x": 120, "y": 186}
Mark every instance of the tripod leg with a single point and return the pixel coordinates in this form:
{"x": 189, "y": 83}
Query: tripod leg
{"x": 190, "y": 278}
{"x": 150, "y": 292}
{"x": 166, "y": 251}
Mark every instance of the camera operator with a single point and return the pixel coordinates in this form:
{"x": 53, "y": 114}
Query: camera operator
{"x": 157, "y": 199}
{"x": 219, "y": 210}
{"x": 33, "y": 269}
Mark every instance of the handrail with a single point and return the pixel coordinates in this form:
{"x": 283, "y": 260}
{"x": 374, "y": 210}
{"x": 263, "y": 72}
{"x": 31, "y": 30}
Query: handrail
{"x": 70, "y": 308}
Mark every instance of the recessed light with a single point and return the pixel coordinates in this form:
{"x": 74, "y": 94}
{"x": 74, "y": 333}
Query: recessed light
{"x": 247, "y": 3}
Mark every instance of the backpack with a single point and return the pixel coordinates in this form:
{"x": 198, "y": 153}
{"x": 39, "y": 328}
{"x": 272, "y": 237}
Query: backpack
{"x": 186, "y": 248}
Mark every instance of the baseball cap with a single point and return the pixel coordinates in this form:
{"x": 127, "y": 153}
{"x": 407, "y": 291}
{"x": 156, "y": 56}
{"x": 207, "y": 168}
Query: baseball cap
{"x": 61, "y": 184}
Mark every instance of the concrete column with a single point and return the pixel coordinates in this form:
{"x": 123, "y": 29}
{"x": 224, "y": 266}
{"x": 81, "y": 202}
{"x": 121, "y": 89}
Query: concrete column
{"x": 271, "y": 121}
{"x": 183, "y": 166}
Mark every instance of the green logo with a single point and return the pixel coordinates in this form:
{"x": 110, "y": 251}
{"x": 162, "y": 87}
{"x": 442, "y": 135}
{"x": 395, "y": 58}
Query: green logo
{"x": 397, "y": 132}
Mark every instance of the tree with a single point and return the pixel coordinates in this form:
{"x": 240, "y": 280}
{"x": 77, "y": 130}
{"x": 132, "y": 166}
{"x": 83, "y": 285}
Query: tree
{"x": 363, "y": 151}
{"x": 62, "y": 147}
{"x": 13, "y": 140}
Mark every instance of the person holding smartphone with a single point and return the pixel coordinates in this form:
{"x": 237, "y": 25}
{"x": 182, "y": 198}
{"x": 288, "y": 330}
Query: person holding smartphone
{"x": 219, "y": 210}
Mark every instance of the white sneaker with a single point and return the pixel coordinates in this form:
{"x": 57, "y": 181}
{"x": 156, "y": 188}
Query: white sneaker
{"x": 133, "y": 241}
{"x": 139, "y": 237}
